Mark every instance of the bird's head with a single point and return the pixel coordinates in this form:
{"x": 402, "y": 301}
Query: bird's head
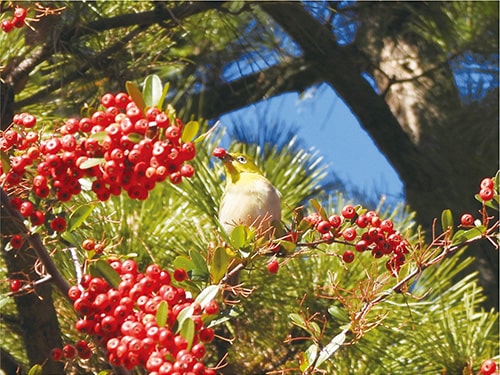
{"x": 236, "y": 163}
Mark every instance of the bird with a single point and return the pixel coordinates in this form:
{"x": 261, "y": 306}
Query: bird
{"x": 249, "y": 197}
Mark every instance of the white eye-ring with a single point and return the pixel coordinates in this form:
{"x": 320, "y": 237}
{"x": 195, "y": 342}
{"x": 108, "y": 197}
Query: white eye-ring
{"x": 241, "y": 159}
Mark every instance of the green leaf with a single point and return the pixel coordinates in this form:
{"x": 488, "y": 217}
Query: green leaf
{"x": 162, "y": 314}
{"x": 310, "y": 355}
{"x": 135, "y": 137}
{"x": 135, "y": 94}
{"x": 99, "y": 136}
{"x": 78, "y": 216}
{"x": 3, "y": 301}
{"x": 185, "y": 314}
{"x": 5, "y": 161}
{"x": 298, "y": 320}
{"x": 288, "y": 245}
{"x": 35, "y": 370}
{"x": 220, "y": 262}
{"x": 184, "y": 262}
{"x": 331, "y": 348}
{"x": 200, "y": 269}
{"x": 447, "y": 220}
{"x": 103, "y": 269}
{"x": 190, "y": 130}
{"x": 319, "y": 209}
{"x": 187, "y": 331}
{"x": 463, "y": 235}
{"x": 241, "y": 236}
{"x": 91, "y": 162}
{"x": 206, "y": 295}
{"x": 152, "y": 91}
{"x": 163, "y": 95}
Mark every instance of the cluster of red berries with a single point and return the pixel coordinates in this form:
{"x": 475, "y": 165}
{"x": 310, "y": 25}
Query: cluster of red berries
{"x": 487, "y": 189}
{"x": 17, "y": 21}
{"x": 488, "y": 367}
{"x": 118, "y": 148}
{"x": 80, "y": 349}
{"x": 366, "y": 232}
{"x": 125, "y": 322}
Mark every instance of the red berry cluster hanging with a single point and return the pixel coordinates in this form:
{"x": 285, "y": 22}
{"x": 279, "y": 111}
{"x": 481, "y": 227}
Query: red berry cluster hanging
{"x": 126, "y": 320}
{"x": 17, "y": 20}
{"x": 366, "y": 232}
{"x": 487, "y": 189}
{"x": 80, "y": 349}
{"x": 118, "y": 148}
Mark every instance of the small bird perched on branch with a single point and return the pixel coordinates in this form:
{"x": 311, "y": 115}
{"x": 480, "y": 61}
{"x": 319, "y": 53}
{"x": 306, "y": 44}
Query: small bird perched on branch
{"x": 249, "y": 197}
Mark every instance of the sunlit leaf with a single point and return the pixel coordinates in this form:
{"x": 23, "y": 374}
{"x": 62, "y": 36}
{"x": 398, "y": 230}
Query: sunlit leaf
{"x": 184, "y": 262}
{"x": 101, "y": 268}
{"x": 200, "y": 269}
{"x": 298, "y": 320}
{"x": 152, "y": 91}
{"x": 99, "y": 136}
{"x": 187, "y": 331}
{"x": 219, "y": 264}
{"x": 331, "y": 348}
{"x": 310, "y": 355}
{"x": 162, "y": 314}
{"x": 163, "y": 95}
{"x": 35, "y": 370}
{"x": 78, "y": 216}
{"x": 206, "y": 295}
{"x": 190, "y": 130}
{"x": 135, "y": 94}
{"x": 240, "y": 236}
{"x": 91, "y": 162}
{"x": 5, "y": 161}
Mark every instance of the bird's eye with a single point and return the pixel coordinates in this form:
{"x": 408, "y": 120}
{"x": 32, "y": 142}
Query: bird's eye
{"x": 241, "y": 159}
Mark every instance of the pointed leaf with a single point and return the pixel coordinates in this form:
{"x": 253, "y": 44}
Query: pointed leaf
{"x": 187, "y": 331}
{"x": 310, "y": 355}
{"x": 78, "y": 216}
{"x": 208, "y": 294}
{"x": 162, "y": 314}
{"x": 219, "y": 264}
{"x": 298, "y": 320}
{"x": 190, "y": 130}
{"x": 103, "y": 269}
{"x": 163, "y": 95}
{"x": 185, "y": 314}
{"x": 152, "y": 91}
{"x": 447, "y": 220}
{"x": 331, "y": 348}
{"x": 99, "y": 136}
{"x": 135, "y": 94}
{"x": 200, "y": 265}
{"x": 91, "y": 162}
{"x": 184, "y": 262}
{"x": 319, "y": 209}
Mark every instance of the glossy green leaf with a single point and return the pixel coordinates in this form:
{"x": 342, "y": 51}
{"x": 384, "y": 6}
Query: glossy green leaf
{"x": 135, "y": 137}
{"x": 103, "y": 269}
{"x": 91, "y": 162}
{"x": 152, "y": 91}
{"x": 200, "y": 269}
{"x": 447, "y": 220}
{"x": 135, "y": 94}
{"x": 206, "y": 295}
{"x": 463, "y": 235}
{"x": 310, "y": 356}
{"x": 240, "y": 236}
{"x": 79, "y": 215}
{"x": 331, "y": 348}
{"x": 163, "y": 95}
{"x": 99, "y": 136}
{"x": 187, "y": 331}
{"x": 35, "y": 370}
{"x": 220, "y": 262}
{"x": 189, "y": 131}
{"x": 184, "y": 262}
{"x": 162, "y": 314}
{"x": 298, "y": 320}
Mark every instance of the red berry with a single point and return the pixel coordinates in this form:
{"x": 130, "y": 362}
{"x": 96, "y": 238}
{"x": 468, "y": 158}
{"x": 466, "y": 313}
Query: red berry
{"x": 15, "y": 285}
{"x": 488, "y": 367}
{"x": 273, "y": 266}
{"x": 487, "y": 183}
{"x": 348, "y": 256}
{"x": 323, "y": 226}
{"x": 335, "y": 220}
{"x": 29, "y": 121}
{"x": 26, "y": 208}
{"x": 486, "y": 194}
{"x": 56, "y": 354}
{"x": 7, "y": 26}
{"x": 69, "y": 351}
{"x": 349, "y": 234}
{"x": 348, "y": 212}
{"x": 206, "y": 334}
{"x": 16, "y": 241}
{"x": 467, "y": 220}
{"x": 20, "y": 13}
{"x": 88, "y": 244}
{"x": 180, "y": 274}
{"x": 212, "y": 308}
{"x": 187, "y": 170}
{"x": 219, "y": 152}
{"x": 58, "y": 224}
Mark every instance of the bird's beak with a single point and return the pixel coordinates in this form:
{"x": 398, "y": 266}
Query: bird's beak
{"x": 226, "y": 158}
